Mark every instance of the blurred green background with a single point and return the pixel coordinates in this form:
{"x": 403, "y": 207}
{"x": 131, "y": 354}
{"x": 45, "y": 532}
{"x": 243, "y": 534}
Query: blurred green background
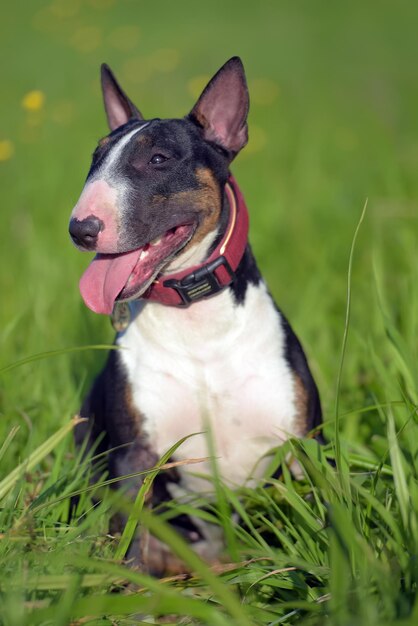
{"x": 334, "y": 101}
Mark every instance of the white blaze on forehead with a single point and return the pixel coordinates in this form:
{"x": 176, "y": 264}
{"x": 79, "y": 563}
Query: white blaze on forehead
{"x": 105, "y": 169}
{"x": 102, "y": 197}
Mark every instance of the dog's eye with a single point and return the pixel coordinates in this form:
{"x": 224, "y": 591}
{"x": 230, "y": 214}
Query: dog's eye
{"x": 157, "y": 159}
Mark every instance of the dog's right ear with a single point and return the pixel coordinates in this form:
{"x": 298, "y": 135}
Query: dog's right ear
{"x": 222, "y": 109}
{"x": 119, "y": 109}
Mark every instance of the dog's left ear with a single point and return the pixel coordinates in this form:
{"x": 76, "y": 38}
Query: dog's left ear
{"x": 222, "y": 108}
{"x": 119, "y": 109}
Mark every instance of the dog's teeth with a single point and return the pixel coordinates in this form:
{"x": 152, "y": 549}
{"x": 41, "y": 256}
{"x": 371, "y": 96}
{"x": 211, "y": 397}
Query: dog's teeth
{"x": 143, "y": 254}
{"x": 156, "y": 241}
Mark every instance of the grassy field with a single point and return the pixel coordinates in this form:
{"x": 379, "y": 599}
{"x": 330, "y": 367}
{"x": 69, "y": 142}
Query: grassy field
{"x": 333, "y": 122}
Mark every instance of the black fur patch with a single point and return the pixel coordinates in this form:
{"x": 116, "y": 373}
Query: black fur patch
{"x": 109, "y": 412}
{"x": 296, "y": 359}
{"x": 247, "y": 273}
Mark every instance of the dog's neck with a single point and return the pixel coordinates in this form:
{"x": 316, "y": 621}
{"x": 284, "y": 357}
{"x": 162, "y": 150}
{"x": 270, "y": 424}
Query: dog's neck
{"x": 210, "y": 318}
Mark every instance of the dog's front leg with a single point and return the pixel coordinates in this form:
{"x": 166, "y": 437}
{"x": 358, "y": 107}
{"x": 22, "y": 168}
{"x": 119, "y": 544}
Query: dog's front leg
{"x": 145, "y": 551}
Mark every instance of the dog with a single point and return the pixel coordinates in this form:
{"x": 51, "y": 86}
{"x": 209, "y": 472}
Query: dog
{"x": 203, "y": 345}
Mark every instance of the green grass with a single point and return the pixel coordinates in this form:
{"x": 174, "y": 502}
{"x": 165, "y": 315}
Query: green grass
{"x": 333, "y": 121}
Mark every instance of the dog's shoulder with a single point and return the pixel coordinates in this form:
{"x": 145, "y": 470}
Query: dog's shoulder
{"x": 108, "y": 407}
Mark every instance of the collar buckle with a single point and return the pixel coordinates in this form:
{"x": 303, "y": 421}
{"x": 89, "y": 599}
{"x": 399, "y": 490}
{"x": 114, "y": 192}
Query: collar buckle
{"x": 201, "y": 283}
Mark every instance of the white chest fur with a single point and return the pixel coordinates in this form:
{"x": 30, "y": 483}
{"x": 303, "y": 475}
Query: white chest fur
{"x": 218, "y": 363}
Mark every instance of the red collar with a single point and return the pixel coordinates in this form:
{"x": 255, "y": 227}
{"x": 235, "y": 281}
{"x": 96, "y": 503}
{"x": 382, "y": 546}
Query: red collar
{"x": 218, "y": 271}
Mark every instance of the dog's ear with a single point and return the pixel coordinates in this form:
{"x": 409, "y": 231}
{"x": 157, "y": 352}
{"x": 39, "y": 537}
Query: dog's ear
{"x": 222, "y": 108}
{"x": 119, "y": 109}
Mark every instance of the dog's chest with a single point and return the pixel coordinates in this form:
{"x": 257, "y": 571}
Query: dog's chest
{"x": 217, "y": 366}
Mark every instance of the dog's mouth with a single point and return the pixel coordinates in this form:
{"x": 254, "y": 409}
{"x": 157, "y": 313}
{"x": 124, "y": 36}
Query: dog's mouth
{"x": 126, "y": 276}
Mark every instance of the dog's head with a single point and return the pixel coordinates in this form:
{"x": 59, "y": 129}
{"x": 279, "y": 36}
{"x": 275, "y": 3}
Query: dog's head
{"x": 154, "y": 194}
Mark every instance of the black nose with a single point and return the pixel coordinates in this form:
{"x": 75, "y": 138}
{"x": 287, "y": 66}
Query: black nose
{"x": 84, "y": 232}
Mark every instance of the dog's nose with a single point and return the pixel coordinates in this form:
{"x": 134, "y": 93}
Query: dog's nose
{"x": 84, "y": 232}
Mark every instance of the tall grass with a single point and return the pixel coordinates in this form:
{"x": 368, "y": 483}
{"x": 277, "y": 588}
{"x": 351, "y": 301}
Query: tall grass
{"x": 339, "y": 546}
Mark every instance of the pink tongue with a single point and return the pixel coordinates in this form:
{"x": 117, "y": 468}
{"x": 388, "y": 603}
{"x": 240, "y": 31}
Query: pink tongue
{"x": 105, "y": 278}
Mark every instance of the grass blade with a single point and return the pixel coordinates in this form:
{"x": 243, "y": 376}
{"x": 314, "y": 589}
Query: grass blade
{"x": 341, "y": 466}
{"x": 37, "y": 455}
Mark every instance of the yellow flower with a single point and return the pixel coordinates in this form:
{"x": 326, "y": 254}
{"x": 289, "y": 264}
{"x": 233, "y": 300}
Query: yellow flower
{"x": 33, "y": 100}
{"x": 6, "y": 149}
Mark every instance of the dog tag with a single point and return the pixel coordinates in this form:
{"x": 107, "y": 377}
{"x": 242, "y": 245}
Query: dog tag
{"x": 121, "y": 316}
